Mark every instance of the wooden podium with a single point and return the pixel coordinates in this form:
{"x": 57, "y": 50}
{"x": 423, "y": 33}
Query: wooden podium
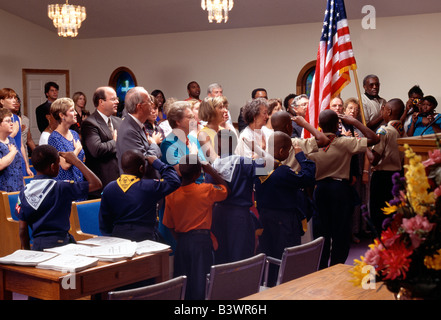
{"x": 421, "y": 145}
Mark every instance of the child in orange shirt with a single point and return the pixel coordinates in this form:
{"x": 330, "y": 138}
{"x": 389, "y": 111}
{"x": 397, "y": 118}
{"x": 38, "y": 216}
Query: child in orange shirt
{"x": 188, "y": 213}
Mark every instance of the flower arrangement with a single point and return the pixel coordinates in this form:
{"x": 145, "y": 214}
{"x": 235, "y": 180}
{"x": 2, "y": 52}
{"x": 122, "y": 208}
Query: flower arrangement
{"x": 407, "y": 254}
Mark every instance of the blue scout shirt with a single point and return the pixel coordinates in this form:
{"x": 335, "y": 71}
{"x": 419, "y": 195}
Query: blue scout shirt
{"x": 279, "y": 189}
{"x": 133, "y": 200}
{"x": 45, "y": 204}
{"x": 239, "y": 173}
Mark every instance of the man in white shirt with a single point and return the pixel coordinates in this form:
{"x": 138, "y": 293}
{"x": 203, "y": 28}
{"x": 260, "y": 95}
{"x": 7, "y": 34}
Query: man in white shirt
{"x": 372, "y": 102}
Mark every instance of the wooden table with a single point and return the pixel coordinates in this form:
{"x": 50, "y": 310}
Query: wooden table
{"x": 328, "y": 284}
{"x": 106, "y": 276}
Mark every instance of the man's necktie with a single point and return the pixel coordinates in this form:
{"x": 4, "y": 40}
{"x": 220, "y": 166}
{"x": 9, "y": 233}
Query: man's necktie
{"x": 109, "y": 124}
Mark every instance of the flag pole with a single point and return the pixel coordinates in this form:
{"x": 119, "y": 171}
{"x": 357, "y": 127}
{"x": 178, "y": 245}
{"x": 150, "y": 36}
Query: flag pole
{"x": 360, "y": 102}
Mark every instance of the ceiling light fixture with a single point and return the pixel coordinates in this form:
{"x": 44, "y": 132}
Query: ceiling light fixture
{"x": 217, "y": 9}
{"x": 67, "y": 18}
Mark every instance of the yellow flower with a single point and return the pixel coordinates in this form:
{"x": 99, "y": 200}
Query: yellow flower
{"x": 417, "y": 183}
{"x": 390, "y": 209}
{"x": 433, "y": 262}
{"x": 358, "y": 274}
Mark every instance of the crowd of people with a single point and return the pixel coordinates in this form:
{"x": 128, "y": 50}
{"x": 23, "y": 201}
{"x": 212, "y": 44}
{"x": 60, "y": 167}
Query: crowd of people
{"x": 178, "y": 171}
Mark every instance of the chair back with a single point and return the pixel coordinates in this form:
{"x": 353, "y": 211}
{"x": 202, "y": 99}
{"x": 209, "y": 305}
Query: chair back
{"x": 300, "y": 260}
{"x": 235, "y": 280}
{"x": 9, "y": 230}
{"x": 12, "y": 198}
{"x": 85, "y": 218}
{"x": 28, "y": 179}
{"x": 173, "y": 289}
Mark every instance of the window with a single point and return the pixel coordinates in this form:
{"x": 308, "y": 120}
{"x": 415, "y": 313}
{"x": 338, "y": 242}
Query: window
{"x": 122, "y": 80}
{"x": 304, "y": 79}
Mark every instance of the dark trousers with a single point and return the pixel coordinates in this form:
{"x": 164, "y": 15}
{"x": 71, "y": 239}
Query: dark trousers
{"x": 193, "y": 258}
{"x": 51, "y": 241}
{"x": 234, "y": 230}
{"x": 135, "y": 232}
{"x": 334, "y": 203}
{"x": 380, "y": 193}
{"x": 281, "y": 229}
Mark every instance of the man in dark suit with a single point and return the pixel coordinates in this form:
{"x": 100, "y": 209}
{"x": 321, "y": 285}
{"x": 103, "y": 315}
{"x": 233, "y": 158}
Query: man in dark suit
{"x": 51, "y": 92}
{"x": 132, "y": 134}
{"x": 99, "y": 134}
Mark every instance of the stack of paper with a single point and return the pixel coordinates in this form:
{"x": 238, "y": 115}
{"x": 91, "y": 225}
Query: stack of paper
{"x": 103, "y": 241}
{"x": 114, "y": 252}
{"x": 68, "y": 263}
{"x": 148, "y": 246}
{"x": 104, "y": 248}
{"x": 72, "y": 249}
{"x": 27, "y": 257}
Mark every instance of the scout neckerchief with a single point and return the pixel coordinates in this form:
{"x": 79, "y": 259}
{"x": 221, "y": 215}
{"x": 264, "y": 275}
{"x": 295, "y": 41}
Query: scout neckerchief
{"x": 277, "y": 163}
{"x": 331, "y": 138}
{"x": 37, "y": 190}
{"x": 398, "y": 126}
{"x": 126, "y": 181}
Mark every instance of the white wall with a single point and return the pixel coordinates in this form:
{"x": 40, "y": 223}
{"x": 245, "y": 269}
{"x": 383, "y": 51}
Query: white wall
{"x": 402, "y": 51}
{"x": 25, "y": 45}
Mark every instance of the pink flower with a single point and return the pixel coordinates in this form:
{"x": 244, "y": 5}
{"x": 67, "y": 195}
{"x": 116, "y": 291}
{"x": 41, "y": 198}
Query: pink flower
{"x": 437, "y": 191}
{"x": 434, "y": 158}
{"x": 372, "y": 256}
{"x": 417, "y": 227}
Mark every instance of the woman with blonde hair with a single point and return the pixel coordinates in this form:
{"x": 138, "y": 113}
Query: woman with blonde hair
{"x": 80, "y": 101}
{"x": 65, "y": 139}
{"x": 214, "y": 111}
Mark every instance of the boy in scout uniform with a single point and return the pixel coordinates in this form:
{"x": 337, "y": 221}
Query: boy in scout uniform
{"x": 386, "y": 160}
{"x": 333, "y": 194}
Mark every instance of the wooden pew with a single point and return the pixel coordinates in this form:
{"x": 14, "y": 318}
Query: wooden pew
{"x": 75, "y": 225}
{"x": 9, "y": 237}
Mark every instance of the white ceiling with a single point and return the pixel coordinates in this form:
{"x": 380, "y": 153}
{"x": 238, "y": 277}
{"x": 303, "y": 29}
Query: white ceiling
{"x": 114, "y": 18}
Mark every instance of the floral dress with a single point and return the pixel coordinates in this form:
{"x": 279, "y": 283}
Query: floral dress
{"x": 62, "y": 144}
{"x": 11, "y": 178}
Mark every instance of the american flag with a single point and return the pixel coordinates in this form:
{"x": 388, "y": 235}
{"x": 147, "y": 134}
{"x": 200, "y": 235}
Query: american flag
{"x": 334, "y": 60}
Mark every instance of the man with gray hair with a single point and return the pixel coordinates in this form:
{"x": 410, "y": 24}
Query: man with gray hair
{"x": 132, "y": 134}
{"x": 214, "y": 90}
{"x": 298, "y": 107}
{"x": 372, "y": 102}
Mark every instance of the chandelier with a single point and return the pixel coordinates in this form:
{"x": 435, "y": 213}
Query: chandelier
{"x": 217, "y": 9}
{"x": 67, "y": 18}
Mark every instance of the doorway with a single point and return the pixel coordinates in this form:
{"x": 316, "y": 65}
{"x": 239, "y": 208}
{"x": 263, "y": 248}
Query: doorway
{"x": 33, "y": 92}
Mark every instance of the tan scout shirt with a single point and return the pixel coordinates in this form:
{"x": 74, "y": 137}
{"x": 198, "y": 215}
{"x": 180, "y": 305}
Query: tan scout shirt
{"x": 387, "y": 148}
{"x": 308, "y": 146}
{"x": 336, "y": 160}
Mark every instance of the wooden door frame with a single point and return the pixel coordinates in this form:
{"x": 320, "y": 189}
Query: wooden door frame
{"x": 26, "y": 72}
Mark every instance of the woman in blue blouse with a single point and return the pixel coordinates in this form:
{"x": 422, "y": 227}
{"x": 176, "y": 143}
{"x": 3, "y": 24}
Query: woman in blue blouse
{"x": 426, "y": 121}
{"x": 11, "y": 174}
{"x": 64, "y": 139}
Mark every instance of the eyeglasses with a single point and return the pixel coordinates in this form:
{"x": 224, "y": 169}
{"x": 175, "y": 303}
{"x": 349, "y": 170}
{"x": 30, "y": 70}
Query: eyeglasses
{"x": 7, "y": 120}
{"x": 304, "y": 104}
{"x": 112, "y": 99}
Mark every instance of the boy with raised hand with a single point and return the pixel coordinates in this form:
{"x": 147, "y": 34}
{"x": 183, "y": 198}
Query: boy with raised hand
{"x": 45, "y": 204}
{"x": 188, "y": 213}
{"x": 386, "y": 160}
{"x": 333, "y": 193}
{"x": 128, "y": 204}
{"x": 278, "y": 196}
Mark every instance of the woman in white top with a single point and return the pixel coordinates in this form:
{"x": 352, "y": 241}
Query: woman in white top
{"x": 255, "y": 114}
